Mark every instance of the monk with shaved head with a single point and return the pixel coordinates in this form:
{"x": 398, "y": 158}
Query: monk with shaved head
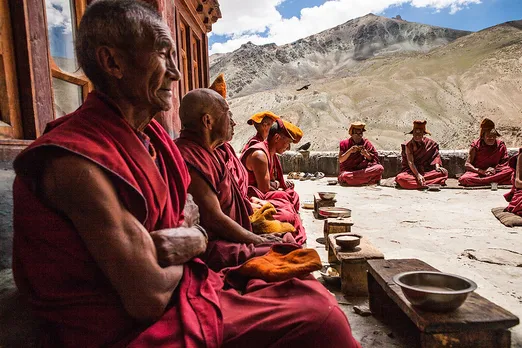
{"x": 207, "y": 124}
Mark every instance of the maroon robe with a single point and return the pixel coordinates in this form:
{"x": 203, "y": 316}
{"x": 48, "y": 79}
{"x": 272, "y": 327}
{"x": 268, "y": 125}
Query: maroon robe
{"x": 212, "y": 167}
{"x": 514, "y": 197}
{"x": 357, "y": 170}
{"x": 285, "y": 211}
{"x": 54, "y": 269}
{"x": 425, "y": 156}
{"x": 252, "y": 141}
{"x": 494, "y": 156}
{"x": 285, "y": 192}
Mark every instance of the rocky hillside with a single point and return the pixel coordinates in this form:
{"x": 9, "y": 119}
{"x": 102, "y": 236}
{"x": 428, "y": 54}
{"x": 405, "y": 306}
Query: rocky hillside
{"x": 453, "y": 86}
{"x": 333, "y": 52}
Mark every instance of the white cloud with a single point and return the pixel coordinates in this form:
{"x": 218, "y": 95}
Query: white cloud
{"x": 248, "y": 20}
{"x": 59, "y": 14}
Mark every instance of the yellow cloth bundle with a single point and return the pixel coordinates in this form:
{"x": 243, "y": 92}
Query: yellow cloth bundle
{"x": 263, "y": 222}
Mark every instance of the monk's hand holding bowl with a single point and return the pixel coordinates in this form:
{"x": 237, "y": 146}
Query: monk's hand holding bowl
{"x": 271, "y": 238}
{"x": 176, "y": 246}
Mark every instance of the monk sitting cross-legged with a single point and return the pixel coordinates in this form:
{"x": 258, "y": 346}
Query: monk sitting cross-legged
{"x": 265, "y": 174}
{"x": 358, "y": 159}
{"x": 225, "y": 209}
{"x": 106, "y": 243}
{"x": 421, "y": 162}
{"x": 514, "y": 197}
{"x": 487, "y": 160}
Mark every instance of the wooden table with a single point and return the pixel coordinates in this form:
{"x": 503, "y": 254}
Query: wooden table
{"x": 477, "y": 323}
{"x": 353, "y": 264}
{"x": 336, "y": 225}
{"x": 320, "y": 203}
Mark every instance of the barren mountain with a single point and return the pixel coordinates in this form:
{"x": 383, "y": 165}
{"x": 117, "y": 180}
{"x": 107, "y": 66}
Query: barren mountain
{"x": 409, "y": 71}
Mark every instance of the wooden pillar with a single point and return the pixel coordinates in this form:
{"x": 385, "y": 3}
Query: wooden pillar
{"x": 33, "y": 67}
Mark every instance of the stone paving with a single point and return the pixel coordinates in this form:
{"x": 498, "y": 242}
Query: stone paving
{"x": 441, "y": 228}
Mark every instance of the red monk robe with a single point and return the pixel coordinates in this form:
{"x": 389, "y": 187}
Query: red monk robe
{"x": 425, "y": 157}
{"x": 357, "y": 170}
{"x": 495, "y": 156}
{"x": 285, "y": 211}
{"x": 252, "y": 141}
{"x": 285, "y": 192}
{"x": 514, "y": 197}
{"x": 56, "y": 273}
{"x": 233, "y": 202}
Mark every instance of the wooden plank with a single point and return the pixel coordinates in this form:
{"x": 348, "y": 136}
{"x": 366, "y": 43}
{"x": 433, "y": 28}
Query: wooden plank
{"x": 365, "y": 250}
{"x": 475, "y": 339}
{"x": 477, "y": 313}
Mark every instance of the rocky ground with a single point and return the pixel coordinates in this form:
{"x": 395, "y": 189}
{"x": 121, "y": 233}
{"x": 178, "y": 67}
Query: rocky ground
{"x": 452, "y": 230}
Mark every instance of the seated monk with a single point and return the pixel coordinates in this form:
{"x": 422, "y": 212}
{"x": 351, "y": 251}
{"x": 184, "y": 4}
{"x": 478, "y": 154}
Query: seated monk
{"x": 487, "y": 160}
{"x": 105, "y": 250}
{"x": 225, "y": 210}
{"x": 421, "y": 162}
{"x": 514, "y": 197}
{"x": 358, "y": 159}
{"x": 262, "y": 122}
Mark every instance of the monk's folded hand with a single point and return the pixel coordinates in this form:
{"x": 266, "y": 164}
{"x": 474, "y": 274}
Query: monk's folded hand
{"x": 289, "y": 184}
{"x": 274, "y": 185}
{"x": 421, "y": 180}
{"x": 490, "y": 171}
{"x": 176, "y": 246}
{"x": 271, "y": 238}
{"x": 442, "y": 170}
{"x": 190, "y": 212}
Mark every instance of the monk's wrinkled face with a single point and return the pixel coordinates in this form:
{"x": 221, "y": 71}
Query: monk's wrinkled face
{"x": 232, "y": 125}
{"x": 151, "y": 71}
{"x": 490, "y": 138}
{"x": 357, "y": 135}
{"x": 281, "y": 143}
{"x": 223, "y": 128}
{"x": 418, "y": 134}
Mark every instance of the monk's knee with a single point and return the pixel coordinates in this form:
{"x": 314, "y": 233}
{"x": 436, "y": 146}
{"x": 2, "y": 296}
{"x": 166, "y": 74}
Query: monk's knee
{"x": 335, "y": 331}
{"x": 379, "y": 168}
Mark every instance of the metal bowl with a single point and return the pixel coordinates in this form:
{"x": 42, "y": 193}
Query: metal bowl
{"x": 332, "y": 182}
{"x": 327, "y": 195}
{"x": 334, "y": 280}
{"x": 348, "y": 241}
{"x": 335, "y": 212}
{"x": 435, "y": 291}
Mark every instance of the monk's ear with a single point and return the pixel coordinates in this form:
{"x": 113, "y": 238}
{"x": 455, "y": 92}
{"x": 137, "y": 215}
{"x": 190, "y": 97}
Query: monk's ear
{"x": 110, "y": 61}
{"x": 207, "y": 121}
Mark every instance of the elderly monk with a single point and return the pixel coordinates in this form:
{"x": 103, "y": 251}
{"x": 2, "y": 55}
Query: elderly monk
{"x": 262, "y": 122}
{"x": 225, "y": 210}
{"x": 421, "y": 162}
{"x": 487, "y": 160}
{"x": 358, "y": 159}
{"x": 102, "y": 249}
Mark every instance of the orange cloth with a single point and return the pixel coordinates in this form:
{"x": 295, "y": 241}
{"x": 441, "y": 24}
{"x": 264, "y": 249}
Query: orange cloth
{"x": 357, "y": 125}
{"x": 281, "y": 264}
{"x": 263, "y": 222}
{"x": 258, "y": 118}
{"x": 219, "y": 85}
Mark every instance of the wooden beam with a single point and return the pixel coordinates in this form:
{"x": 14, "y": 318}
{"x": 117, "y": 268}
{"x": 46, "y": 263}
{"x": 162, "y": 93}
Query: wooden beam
{"x": 33, "y": 68}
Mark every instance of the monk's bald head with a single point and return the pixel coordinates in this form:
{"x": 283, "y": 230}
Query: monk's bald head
{"x": 197, "y": 103}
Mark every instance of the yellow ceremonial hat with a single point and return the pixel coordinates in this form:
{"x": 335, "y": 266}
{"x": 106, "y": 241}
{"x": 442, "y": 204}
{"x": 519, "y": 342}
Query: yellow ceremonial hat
{"x": 292, "y": 131}
{"x": 357, "y": 125}
{"x": 219, "y": 85}
{"x": 257, "y": 118}
{"x": 488, "y": 125}
{"x": 419, "y": 125}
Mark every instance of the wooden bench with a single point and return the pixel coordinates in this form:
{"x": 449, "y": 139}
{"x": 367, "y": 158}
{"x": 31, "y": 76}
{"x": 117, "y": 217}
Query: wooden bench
{"x": 353, "y": 265}
{"x": 477, "y": 323}
{"x": 320, "y": 203}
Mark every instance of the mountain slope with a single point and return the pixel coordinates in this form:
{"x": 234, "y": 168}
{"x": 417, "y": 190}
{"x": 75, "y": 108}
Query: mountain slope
{"x": 333, "y": 52}
{"x": 453, "y": 87}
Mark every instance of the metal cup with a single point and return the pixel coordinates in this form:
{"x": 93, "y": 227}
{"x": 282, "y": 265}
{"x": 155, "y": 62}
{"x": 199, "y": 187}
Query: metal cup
{"x": 494, "y": 186}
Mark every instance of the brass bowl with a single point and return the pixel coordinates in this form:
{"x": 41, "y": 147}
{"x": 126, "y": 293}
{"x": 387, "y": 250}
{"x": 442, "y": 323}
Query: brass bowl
{"x": 327, "y": 195}
{"x": 435, "y": 291}
{"x": 348, "y": 241}
{"x": 334, "y": 280}
{"x": 335, "y": 212}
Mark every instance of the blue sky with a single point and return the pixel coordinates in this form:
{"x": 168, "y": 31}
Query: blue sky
{"x": 283, "y": 21}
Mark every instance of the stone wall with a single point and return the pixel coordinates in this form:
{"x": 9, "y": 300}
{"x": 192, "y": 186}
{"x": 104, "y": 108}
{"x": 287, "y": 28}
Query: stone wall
{"x": 326, "y": 162}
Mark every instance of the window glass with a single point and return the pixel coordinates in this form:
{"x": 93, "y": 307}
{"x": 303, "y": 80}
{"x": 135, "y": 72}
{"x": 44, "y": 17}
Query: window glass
{"x": 67, "y": 97}
{"x": 61, "y": 25}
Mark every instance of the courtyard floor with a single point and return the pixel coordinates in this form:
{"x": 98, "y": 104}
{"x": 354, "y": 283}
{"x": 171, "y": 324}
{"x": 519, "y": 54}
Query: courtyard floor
{"x": 440, "y": 228}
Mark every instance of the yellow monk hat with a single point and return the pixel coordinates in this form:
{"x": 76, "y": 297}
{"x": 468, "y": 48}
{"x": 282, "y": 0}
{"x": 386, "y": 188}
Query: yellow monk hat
{"x": 419, "y": 125}
{"x": 290, "y": 130}
{"x": 219, "y": 85}
{"x": 257, "y": 118}
{"x": 357, "y": 125}
{"x": 488, "y": 125}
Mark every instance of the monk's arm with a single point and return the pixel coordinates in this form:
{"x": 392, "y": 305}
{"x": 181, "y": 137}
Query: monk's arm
{"x": 471, "y": 158}
{"x": 411, "y": 161}
{"x": 119, "y": 244}
{"x": 223, "y": 225}
{"x": 344, "y": 156}
{"x": 518, "y": 173}
{"x": 257, "y": 162}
